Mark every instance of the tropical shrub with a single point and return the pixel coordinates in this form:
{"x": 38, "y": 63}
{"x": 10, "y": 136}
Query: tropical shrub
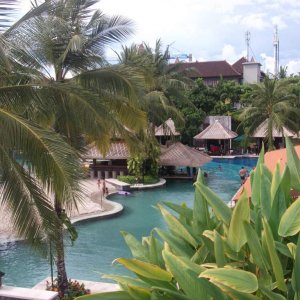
{"x": 148, "y": 179}
{"x": 76, "y": 289}
{"x": 213, "y": 252}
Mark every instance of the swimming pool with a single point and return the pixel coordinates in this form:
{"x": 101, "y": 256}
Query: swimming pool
{"x": 100, "y": 242}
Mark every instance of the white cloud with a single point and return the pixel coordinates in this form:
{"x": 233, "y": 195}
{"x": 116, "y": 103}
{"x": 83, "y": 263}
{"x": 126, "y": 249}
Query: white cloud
{"x": 230, "y": 54}
{"x": 267, "y": 63}
{"x": 293, "y": 67}
{"x": 277, "y": 20}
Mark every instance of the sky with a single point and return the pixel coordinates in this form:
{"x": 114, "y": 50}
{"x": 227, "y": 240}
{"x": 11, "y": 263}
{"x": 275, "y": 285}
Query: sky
{"x": 215, "y": 29}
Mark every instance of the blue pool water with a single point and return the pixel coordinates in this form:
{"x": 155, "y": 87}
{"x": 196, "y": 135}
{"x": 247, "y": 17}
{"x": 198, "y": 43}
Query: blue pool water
{"x": 100, "y": 242}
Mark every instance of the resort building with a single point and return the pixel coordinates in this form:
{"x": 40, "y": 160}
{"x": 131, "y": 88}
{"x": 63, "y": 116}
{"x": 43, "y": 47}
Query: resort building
{"x": 242, "y": 71}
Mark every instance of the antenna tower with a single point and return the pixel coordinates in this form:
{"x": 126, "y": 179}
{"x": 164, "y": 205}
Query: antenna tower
{"x": 276, "y": 51}
{"x": 248, "y": 44}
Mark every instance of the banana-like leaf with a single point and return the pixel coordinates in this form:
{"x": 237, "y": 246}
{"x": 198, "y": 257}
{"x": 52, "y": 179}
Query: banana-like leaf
{"x": 234, "y": 294}
{"x": 275, "y": 182}
{"x": 271, "y": 295}
{"x": 221, "y": 210}
{"x": 296, "y": 272}
{"x": 138, "y": 293}
{"x": 184, "y": 211}
{"x": 278, "y": 201}
{"x": 145, "y": 269}
{"x": 293, "y": 163}
{"x": 286, "y": 185}
{"x": 201, "y": 254}
{"x": 155, "y": 250}
{"x": 265, "y": 194}
{"x": 241, "y": 213}
{"x": 120, "y": 295}
{"x": 238, "y": 280}
{"x": 126, "y": 280}
{"x": 201, "y": 215}
{"x": 178, "y": 245}
{"x": 165, "y": 294}
{"x": 275, "y": 262}
{"x": 255, "y": 186}
{"x": 283, "y": 249}
{"x": 261, "y": 157}
{"x": 194, "y": 287}
{"x": 255, "y": 247}
{"x": 219, "y": 250}
{"x": 177, "y": 227}
{"x": 290, "y": 222}
{"x": 292, "y": 248}
{"x": 138, "y": 250}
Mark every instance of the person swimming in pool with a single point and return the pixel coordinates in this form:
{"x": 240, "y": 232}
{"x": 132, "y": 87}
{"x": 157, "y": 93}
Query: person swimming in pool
{"x": 243, "y": 172}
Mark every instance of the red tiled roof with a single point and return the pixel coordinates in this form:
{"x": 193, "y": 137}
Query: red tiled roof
{"x": 208, "y": 69}
{"x": 238, "y": 65}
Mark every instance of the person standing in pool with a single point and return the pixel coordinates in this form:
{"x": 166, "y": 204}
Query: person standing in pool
{"x": 243, "y": 172}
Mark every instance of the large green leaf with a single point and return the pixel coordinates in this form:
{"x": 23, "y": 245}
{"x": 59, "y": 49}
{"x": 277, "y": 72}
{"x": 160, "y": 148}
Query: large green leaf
{"x": 126, "y": 280}
{"x": 165, "y": 294}
{"x": 296, "y": 272}
{"x": 271, "y": 295}
{"x": 255, "y": 186}
{"x": 178, "y": 245}
{"x": 275, "y": 262}
{"x": 177, "y": 227}
{"x": 265, "y": 192}
{"x": 145, "y": 269}
{"x": 194, "y": 287}
{"x": 241, "y": 213}
{"x": 138, "y": 250}
{"x": 255, "y": 247}
{"x": 239, "y": 280}
{"x": 182, "y": 210}
{"x": 201, "y": 215}
{"x": 293, "y": 164}
{"x": 221, "y": 210}
{"x": 278, "y": 202}
{"x": 290, "y": 222}
{"x": 155, "y": 250}
{"x": 219, "y": 250}
{"x": 121, "y": 295}
{"x": 138, "y": 293}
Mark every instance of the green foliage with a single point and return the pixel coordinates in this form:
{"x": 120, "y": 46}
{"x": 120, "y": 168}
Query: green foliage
{"x": 76, "y": 289}
{"x": 215, "y": 253}
{"x": 273, "y": 102}
{"x": 147, "y": 179}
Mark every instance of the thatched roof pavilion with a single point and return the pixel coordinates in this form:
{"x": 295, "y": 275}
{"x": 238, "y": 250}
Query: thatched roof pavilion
{"x": 181, "y": 155}
{"x": 262, "y": 129}
{"x": 117, "y": 150}
{"x": 216, "y": 131}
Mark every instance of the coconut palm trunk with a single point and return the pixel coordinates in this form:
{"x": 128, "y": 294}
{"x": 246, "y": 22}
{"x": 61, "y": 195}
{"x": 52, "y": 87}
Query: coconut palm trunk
{"x": 62, "y": 278}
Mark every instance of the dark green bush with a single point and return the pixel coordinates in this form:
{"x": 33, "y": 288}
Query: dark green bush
{"x": 148, "y": 179}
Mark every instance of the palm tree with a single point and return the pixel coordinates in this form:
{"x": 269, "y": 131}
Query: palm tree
{"x": 162, "y": 85}
{"x": 270, "y": 100}
{"x": 79, "y": 96}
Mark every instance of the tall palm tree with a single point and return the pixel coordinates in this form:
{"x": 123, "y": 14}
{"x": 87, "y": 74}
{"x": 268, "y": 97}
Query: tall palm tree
{"x": 80, "y": 96}
{"x": 270, "y": 100}
{"x": 163, "y": 83}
